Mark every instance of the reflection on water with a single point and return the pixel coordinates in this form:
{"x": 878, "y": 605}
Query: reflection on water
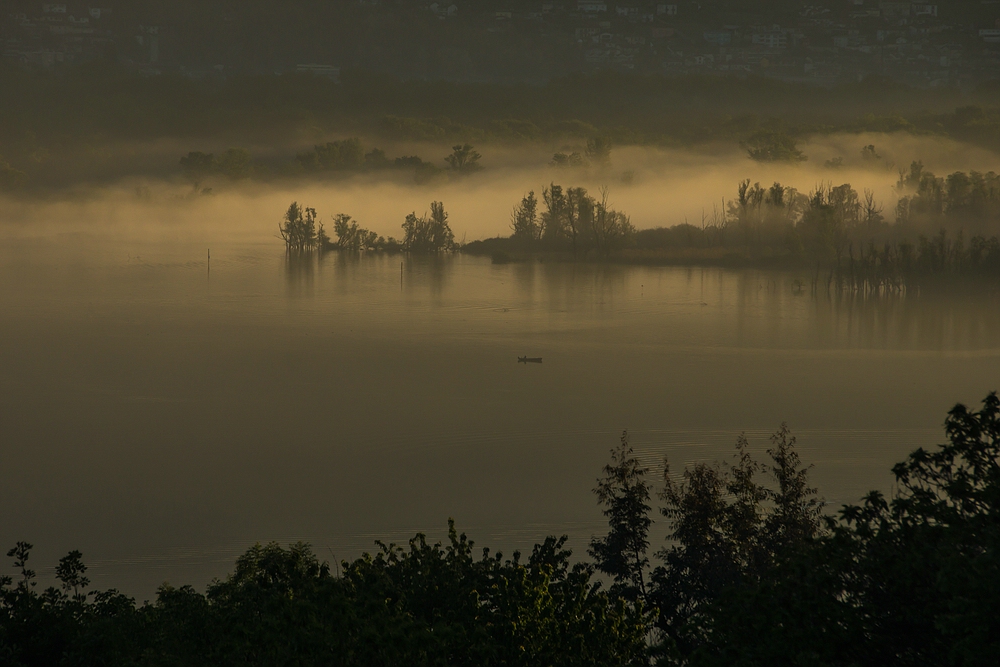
{"x": 300, "y": 271}
{"x": 161, "y": 418}
{"x": 935, "y": 321}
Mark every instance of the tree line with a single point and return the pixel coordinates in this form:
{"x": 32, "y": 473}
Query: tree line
{"x": 755, "y": 574}
{"x": 752, "y": 573}
{"x": 303, "y": 233}
{"x": 849, "y": 234}
{"x": 345, "y": 156}
{"x": 351, "y": 156}
{"x": 843, "y": 234}
{"x": 50, "y": 124}
{"x": 961, "y": 198}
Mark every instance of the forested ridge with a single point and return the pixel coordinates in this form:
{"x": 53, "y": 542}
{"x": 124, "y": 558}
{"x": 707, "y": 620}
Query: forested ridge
{"x": 98, "y": 121}
{"x": 753, "y": 573}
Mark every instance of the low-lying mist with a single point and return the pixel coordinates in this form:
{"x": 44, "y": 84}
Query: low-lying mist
{"x": 656, "y": 187}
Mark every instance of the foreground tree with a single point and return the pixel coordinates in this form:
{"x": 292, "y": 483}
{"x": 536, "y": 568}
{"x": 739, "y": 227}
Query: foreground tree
{"x": 423, "y": 604}
{"x": 727, "y": 532}
{"x": 911, "y": 580}
{"x": 925, "y": 566}
{"x": 624, "y": 494}
{"x": 752, "y": 575}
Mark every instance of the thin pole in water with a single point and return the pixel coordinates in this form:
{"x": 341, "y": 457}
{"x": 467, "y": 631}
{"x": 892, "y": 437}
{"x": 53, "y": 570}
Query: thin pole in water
{"x": 400, "y": 275}
{"x": 209, "y": 261}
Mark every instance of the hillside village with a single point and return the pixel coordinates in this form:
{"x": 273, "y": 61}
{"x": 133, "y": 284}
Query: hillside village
{"x": 951, "y": 43}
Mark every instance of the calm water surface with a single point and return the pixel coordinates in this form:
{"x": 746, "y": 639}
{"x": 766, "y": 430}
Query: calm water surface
{"x": 162, "y": 418}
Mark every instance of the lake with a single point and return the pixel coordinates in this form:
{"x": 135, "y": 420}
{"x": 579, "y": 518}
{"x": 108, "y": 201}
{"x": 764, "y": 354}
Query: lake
{"x": 162, "y": 417}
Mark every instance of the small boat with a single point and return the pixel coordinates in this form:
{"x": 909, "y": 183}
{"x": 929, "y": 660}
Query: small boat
{"x": 529, "y": 360}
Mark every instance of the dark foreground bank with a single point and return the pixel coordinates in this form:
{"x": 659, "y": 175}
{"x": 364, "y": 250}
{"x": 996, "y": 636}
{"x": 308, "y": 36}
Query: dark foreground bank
{"x": 753, "y": 573}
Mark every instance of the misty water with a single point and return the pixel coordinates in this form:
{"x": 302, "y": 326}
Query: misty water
{"x": 162, "y": 417}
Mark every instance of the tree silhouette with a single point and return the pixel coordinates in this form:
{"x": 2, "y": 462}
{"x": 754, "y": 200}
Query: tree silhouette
{"x": 624, "y": 494}
{"x": 464, "y": 159}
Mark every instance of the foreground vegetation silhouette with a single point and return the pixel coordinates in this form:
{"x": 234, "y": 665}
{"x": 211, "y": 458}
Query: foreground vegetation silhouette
{"x": 752, "y": 573}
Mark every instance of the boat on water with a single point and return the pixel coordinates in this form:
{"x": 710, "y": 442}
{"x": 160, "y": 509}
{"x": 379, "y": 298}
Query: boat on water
{"x": 529, "y": 360}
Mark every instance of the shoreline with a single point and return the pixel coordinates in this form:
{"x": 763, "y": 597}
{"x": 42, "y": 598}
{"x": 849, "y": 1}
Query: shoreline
{"x": 817, "y": 275}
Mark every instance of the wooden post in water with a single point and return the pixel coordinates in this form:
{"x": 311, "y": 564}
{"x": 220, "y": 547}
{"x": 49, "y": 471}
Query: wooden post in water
{"x": 209, "y": 261}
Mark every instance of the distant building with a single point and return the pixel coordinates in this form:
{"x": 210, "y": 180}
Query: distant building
{"x": 666, "y": 10}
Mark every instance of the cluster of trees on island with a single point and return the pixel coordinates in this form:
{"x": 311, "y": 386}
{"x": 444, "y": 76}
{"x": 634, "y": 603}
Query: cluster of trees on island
{"x": 752, "y": 573}
{"x": 834, "y": 228}
{"x": 573, "y": 218}
{"x": 303, "y": 233}
{"x": 941, "y": 226}
{"x": 849, "y": 233}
